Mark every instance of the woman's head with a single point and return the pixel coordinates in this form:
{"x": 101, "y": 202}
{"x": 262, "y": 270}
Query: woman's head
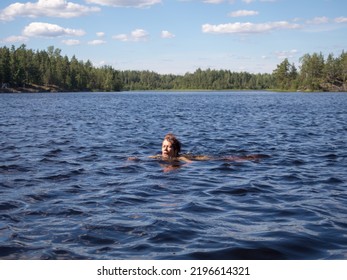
{"x": 171, "y": 147}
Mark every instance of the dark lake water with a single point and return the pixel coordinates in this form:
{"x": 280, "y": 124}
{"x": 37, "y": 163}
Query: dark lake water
{"x": 67, "y": 190}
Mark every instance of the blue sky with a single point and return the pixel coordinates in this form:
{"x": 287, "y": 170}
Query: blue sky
{"x": 178, "y": 36}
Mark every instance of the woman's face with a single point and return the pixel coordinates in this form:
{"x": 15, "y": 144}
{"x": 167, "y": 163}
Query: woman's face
{"x": 167, "y": 150}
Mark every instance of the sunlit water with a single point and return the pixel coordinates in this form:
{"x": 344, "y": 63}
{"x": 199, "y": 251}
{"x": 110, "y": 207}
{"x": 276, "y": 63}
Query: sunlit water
{"x": 69, "y": 192}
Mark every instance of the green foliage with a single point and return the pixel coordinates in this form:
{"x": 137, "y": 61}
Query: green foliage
{"x": 5, "y": 65}
{"x": 311, "y": 76}
{"x": 20, "y": 67}
{"x": 199, "y": 80}
{"x": 316, "y": 73}
{"x": 285, "y": 76}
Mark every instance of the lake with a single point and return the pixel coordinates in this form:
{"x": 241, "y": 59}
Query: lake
{"x": 68, "y": 190}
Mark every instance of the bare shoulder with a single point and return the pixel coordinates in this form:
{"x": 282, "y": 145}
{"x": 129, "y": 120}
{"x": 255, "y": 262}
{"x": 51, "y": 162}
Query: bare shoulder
{"x": 155, "y": 157}
{"x": 202, "y": 157}
{"x": 190, "y": 158}
{"x": 185, "y": 159}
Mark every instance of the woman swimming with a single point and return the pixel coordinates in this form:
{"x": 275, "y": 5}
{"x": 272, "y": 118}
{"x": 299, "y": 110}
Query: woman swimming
{"x": 171, "y": 148}
{"x": 171, "y": 159}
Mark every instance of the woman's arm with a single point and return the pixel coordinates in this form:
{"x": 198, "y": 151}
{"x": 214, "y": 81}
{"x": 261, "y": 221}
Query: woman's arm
{"x": 185, "y": 159}
{"x": 243, "y": 158}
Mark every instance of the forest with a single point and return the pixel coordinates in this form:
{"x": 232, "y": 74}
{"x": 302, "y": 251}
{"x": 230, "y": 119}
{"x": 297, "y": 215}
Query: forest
{"x": 27, "y": 70}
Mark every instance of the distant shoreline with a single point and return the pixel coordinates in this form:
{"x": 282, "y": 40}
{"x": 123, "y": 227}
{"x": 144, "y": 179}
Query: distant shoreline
{"x": 49, "y": 71}
{"x": 55, "y": 89}
{"x": 32, "y": 88}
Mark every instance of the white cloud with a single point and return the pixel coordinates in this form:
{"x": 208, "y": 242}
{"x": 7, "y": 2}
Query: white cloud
{"x": 121, "y": 37}
{"x": 125, "y": 3}
{"x": 42, "y": 29}
{"x": 50, "y": 8}
{"x": 139, "y": 35}
{"x": 286, "y": 54}
{"x": 15, "y": 39}
{"x": 96, "y": 42}
{"x": 213, "y": 1}
{"x": 243, "y": 13}
{"x": 167, "y": 35}
{"x": 101, "y": 63}
{"x": 135, "y": 36}
{"x": 230, "y": 1}
{"x": 71, "y": 42}
{"x": 247, "y": 27}
{"x": 318, "y": 20}
{"x": 100, "y": 34}
{"x": 341, "y": 20}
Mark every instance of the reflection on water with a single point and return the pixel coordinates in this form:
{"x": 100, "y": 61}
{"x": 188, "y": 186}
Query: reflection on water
{"x": 69, "y": 192}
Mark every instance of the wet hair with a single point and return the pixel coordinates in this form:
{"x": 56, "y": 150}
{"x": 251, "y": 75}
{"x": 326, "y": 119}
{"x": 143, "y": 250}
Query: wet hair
{"x": 176, "y": 144}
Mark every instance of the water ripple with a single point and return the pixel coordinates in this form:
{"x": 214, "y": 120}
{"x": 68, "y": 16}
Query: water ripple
{"x": 69, "y": 192}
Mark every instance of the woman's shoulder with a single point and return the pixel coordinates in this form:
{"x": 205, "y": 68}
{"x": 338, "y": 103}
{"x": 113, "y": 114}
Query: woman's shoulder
{"x": 155, "y": 157}
{"x": 190, "y": 157}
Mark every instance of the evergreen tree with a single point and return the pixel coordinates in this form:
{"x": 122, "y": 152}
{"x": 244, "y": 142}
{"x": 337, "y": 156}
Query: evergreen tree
{"x": 343, "y": 62}
{"x": 312, "y": 67}
{"x": 22, "y": 67}
{"x": 5, "y": 66}
{"x": 285, "y": 75}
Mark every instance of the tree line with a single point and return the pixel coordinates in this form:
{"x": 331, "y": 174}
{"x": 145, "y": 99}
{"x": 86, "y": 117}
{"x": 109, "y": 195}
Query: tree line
{"x": 21, "y": 67}
{"x": 316, "y": 73}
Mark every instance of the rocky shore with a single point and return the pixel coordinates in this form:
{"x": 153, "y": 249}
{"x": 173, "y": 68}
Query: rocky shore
{"x": 30, "y": 88}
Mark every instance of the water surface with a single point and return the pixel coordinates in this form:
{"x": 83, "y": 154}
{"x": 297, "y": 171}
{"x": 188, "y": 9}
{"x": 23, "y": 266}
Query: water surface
{"x": 67, "y": 190}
